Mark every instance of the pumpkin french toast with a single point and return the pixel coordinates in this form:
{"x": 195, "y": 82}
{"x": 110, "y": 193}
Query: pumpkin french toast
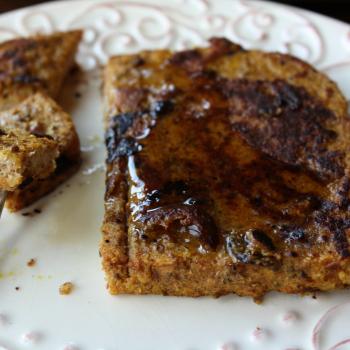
{"x": 227, "y": 172}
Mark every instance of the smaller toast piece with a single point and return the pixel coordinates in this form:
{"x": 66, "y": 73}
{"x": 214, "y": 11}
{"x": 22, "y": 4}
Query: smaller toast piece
{"x": 38, "y": 63}
{"x": 24, "y": 157}
{"x": 41, "y": 116}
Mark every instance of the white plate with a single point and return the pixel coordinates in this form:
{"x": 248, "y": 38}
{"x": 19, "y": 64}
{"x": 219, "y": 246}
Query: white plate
{"x": 64, "y": 237}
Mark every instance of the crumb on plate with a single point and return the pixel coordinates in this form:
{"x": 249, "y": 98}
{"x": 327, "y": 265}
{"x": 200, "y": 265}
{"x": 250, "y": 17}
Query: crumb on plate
{"x": 66, "y": 288}
{"x": 31, "y": 262}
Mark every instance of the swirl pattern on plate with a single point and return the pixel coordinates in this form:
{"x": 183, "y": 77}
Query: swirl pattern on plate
{"x": 252, "y": 24}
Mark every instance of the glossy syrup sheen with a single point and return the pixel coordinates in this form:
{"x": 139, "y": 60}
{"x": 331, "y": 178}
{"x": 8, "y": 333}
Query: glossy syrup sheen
{"x": 210, "y": 165}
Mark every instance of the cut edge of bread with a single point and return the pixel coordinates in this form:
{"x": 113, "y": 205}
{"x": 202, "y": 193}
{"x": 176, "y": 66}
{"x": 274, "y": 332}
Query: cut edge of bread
{"x": 29, "y": 193}
{"x": 24, "y": 156}
{"x": 69, "y": 158}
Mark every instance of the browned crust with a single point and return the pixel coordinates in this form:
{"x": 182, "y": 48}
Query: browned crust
{"x": 186, "y": 277}
{"x": 172, "y": 274}
{"x": 28, "y": 193}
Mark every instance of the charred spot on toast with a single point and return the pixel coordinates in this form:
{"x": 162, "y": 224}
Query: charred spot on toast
{"x": 125, "y": 128}
{"x": 263, "y": 238}
{"x": 117, "y": 143}
{"x": 120, "y": 147}
{"x": 161, "y": 107}
{"x": 285, "y": 122}
{"x": 122, "y": 122}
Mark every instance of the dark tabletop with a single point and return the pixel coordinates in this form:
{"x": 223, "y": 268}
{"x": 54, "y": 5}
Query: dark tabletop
{"x": 334, "y": 8}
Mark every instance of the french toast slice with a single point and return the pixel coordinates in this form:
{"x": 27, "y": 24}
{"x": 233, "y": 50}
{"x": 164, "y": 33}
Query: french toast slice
{"x": 41, "y": 116}
{"x": 24, "y": 157}
{"x": 38, "y": 63}
{"x": 227, "y": 172}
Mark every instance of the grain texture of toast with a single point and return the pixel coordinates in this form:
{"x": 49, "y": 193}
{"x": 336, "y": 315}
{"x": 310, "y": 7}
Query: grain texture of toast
{"x": 227, "y": 172}
{"x": 24, "y": 157}
{"x": 38, "y": 63}
{"x": 43, "y": 117}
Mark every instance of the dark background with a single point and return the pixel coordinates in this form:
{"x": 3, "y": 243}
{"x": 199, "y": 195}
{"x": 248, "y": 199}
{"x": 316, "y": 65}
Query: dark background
{"x": 335, "y": 8}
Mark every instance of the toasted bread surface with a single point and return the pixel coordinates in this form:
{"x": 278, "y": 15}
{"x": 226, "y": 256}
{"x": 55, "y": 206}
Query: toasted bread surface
{"x": 24, "y": 157}
{"x": 227, "y": 172}
{"x": 32, "y": 64}
{"x": 42, "y": 116}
